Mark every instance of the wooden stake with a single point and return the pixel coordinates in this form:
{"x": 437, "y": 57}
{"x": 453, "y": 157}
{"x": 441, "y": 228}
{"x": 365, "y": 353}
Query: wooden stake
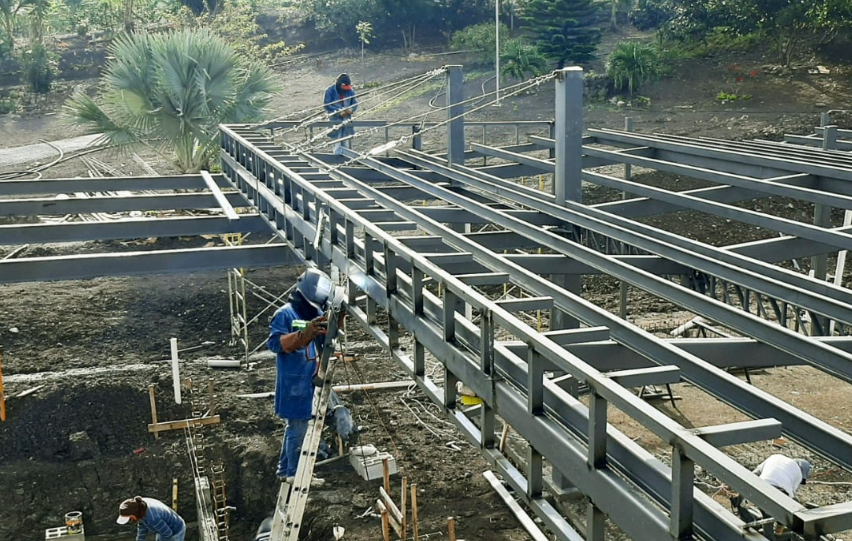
{"x": 2, "y": 397}
{"x": 386, "y": 472}
{"x": 212, "y": 398}
{"x": 414, "y": 525}
{"x": 385, "y": 526}
{"x": 340, "y": 448}
{"x": 451, "y": 526}
{"x": 153, "y": 408}
{"x": 404, "y": 507}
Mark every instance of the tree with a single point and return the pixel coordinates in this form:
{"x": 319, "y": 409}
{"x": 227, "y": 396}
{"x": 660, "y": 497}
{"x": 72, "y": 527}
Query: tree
{"x": 365, "y": 32}
{"x": 521, "y": 60}
{"x": 173, "y": 90}
{"x": 565, "y": 30}
{"x": 632, "y": 64}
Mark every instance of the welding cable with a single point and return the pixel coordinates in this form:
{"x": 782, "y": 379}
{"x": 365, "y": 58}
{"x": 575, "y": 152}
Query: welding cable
{"x": 374, "y": 408}
{"x": 35, "y": 170}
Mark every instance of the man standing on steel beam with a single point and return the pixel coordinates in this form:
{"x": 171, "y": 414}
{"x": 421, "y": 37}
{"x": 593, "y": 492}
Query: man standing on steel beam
{"x": 340, "y": 104}
{"x": 296, "y": 335}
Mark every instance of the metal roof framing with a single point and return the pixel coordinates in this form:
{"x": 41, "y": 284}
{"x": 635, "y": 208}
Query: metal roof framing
{"x": 428, "y": 271}
{"x": 60, "y": 197}
{"x": 427, "y": 239}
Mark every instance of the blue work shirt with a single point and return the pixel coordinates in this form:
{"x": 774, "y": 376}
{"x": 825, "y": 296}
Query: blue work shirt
{"x": 294, "y": 389}
{"x": 335, "y": 101}
{"x": 161, "y": 520}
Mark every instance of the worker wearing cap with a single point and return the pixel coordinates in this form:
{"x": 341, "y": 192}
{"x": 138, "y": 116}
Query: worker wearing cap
{"x": 340, "y": 104}
{"x": 785, "y": 474}
{"x": 296, "y": 351}
{"x": 152, "y": 516}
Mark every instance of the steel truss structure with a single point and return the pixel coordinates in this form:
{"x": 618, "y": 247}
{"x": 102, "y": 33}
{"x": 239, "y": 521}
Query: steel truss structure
{"x": 427, "y": 242}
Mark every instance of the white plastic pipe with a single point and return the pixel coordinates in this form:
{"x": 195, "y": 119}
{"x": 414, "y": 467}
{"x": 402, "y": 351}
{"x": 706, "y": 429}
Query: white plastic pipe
{"x": 175, "y": 370}
{"x": 223, "y": 363}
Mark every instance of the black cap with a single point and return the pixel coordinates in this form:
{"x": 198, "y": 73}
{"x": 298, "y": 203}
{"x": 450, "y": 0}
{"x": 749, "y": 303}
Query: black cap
{"x": 343, "y": 79}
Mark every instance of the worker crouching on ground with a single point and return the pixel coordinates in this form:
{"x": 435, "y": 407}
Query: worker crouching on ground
{"x": 784, "y": 473}
{"x": 340, "y": 104}
{"x": 152, "y": 516}
{"x": 297, "y": 351}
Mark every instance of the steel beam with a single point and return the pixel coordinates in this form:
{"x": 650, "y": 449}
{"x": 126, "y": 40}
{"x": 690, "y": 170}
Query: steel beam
{"x": 128, "y": 228}
{"x": 81, "y": 267}
{"x": 130, "y": 184}
{"x": 114, "y": 203}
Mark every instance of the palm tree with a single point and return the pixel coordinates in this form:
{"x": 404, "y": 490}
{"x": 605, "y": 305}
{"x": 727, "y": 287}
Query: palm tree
{"x": 173, "y": 90}
{"x": 520, "y": 60}
{"x": 632, "y": 64}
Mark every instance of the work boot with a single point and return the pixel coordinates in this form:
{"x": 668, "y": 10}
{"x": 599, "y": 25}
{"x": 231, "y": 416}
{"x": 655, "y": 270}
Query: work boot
{"x": 316, "y": 482}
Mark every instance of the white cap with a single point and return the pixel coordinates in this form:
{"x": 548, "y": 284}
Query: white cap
{"x": 122, "y": 519}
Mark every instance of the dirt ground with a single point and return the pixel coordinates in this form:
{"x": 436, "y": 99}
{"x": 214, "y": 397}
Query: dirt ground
{"x": 80, "y": 442}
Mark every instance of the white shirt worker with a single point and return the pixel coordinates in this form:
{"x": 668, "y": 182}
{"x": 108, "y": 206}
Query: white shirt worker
{"x": 784, "y": 473}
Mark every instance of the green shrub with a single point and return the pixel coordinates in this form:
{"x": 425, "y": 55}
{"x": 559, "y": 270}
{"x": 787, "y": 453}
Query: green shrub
{"x": 631, "y": 64}
{"x": 8, "y": 104}
{"x": 479, "y": 37}
{"x": 521, "y": 60}
{"x": 39, "y": 67}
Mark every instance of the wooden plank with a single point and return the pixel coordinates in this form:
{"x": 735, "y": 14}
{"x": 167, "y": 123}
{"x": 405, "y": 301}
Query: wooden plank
{"x": 153, "y": 410}
{"x": 392, "y": 508}
{"x": 451, "y": 528}
{"x": 183, "y": 423}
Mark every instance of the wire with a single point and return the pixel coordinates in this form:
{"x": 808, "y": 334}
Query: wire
{"x": 319, "y": 110}
{"x": 506, "y": 93}
{"x": 307, "y": 145}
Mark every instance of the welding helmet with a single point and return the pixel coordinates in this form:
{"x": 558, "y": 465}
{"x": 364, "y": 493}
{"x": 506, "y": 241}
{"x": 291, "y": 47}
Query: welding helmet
{"x": 315, "y": 287}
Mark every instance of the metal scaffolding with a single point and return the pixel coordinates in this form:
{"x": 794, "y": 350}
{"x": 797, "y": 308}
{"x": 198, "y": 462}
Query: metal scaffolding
{"x": 429, "y": 240}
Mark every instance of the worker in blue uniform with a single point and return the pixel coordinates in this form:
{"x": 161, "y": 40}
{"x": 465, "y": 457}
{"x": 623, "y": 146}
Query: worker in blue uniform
{"x": 298, "y": 347}
{"x": 340, "y": 104}
{"x": 152, "y": 516}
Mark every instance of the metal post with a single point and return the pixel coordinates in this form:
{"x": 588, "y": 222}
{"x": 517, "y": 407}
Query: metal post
{"x": 595, "y": 522}
{"x": 497, "y": 49}
{"x": 567, "y": 181}
{"x": 569, "y": 135}
{"x": 822, "y": 218}
{"x": 455, "y": 129}
{"x": 683, "y": 473}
